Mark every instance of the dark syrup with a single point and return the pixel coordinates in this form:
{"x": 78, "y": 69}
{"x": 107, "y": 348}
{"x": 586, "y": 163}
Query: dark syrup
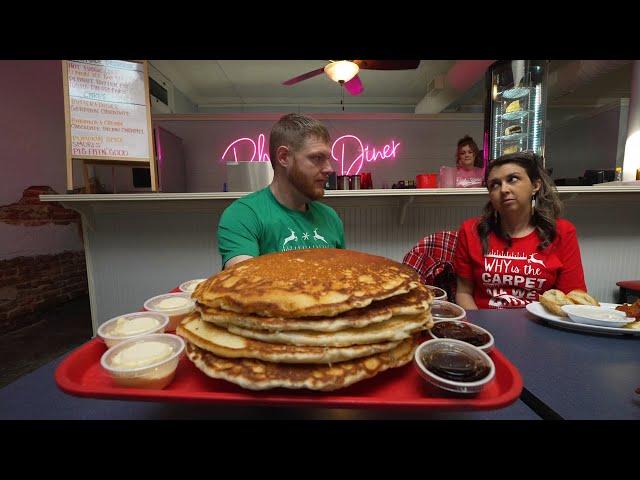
{"x": 460, "y": 331}
{"x": 455, "y": 365}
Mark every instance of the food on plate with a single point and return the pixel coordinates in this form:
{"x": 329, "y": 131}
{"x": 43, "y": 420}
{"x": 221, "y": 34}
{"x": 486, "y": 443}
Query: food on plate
{"x": 512, "y": 149}
{"x": 580, "y": 297}
{"x": 553, "y": 299}
{"x": 513, "y": 107}
{"x": 320, "y": 319}
{"x": 513, "y": 129}
{"x": 631, "y": 309}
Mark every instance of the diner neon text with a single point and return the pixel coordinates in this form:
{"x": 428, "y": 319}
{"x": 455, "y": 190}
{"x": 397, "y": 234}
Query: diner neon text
{"x": 255, "y": 151}
{"x": 363, "y": 153}
{"x": 346, "y": 150}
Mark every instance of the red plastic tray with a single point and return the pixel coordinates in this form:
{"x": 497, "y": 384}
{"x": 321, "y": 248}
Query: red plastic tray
{"x": 81, "y": 374}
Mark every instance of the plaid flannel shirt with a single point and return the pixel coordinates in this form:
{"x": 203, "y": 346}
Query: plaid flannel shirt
{"x": 432, "y": 258}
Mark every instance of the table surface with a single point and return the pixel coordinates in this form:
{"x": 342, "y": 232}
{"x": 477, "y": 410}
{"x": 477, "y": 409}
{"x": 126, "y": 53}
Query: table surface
{"x": 578, "y": 375}
{"x": 36, "y": 396}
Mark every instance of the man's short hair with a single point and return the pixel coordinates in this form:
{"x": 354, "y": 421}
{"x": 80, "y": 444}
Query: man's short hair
{"x": 292, "y": 130}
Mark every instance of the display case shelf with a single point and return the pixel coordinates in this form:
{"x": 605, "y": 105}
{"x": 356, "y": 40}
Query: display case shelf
{"x": 513, "y": 137}
{"x": 517, "y": 115}
{"x": 517, "y": 92}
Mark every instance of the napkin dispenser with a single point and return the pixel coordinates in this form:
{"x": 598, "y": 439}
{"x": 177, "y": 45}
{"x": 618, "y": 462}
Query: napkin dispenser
{"x": 248, "y": 176}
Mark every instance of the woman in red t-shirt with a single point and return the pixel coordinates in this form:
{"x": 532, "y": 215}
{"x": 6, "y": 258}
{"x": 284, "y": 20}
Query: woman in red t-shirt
{"x": 519, "y": 248}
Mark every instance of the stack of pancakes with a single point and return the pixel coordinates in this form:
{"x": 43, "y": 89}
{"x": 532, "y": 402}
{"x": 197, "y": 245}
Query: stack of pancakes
{"x": 320, "y": 319}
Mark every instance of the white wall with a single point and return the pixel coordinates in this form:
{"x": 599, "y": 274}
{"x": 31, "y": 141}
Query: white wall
{"x": 587, "y": 143}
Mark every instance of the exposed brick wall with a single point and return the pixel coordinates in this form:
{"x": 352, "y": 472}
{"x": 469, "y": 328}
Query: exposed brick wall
{"x": 29, "y": 211}
{"x": 30, "y": 285}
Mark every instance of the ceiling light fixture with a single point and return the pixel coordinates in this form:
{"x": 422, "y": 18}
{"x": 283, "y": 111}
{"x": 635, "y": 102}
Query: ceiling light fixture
{"x": 341, "y": 71}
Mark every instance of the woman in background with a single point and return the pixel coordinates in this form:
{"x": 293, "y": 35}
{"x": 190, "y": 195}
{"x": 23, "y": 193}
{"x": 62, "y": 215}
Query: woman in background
{"x": 469, "y": 164}
{"x": 519, "y": 248}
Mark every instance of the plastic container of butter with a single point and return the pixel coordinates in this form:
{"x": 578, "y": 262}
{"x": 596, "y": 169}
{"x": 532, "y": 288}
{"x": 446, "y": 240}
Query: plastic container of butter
{"x": 190, "y": 285}
{"x": 149, "y": 361}
{"x": 131, "y": 325}
{"x": 175, "y": 305}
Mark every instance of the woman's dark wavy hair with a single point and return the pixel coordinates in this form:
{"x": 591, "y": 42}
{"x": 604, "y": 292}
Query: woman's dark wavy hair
{"x": 548, "y": 204}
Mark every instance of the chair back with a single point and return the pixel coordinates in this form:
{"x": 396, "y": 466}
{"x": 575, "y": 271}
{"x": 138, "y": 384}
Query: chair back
{"x": 432, "y": 257}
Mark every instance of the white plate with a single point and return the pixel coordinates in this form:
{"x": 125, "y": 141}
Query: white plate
{"x": 538, "y": 310}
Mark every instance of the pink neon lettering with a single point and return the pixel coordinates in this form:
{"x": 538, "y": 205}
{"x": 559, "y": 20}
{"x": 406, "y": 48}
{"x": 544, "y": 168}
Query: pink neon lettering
{"x": 387, "y": 151}
{"x": 345, "y": 147}
{"x": 261, "y": 156}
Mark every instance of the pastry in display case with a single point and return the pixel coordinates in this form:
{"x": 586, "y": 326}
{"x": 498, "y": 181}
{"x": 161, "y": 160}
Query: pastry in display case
{"x": 515, "y": 107}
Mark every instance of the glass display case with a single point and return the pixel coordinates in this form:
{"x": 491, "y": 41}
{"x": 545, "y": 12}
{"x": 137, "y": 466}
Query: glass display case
{"x": 515, "y": 107}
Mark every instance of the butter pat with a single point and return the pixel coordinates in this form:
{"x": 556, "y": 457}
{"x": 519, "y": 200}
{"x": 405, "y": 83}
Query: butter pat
{"x": 191, "y": 285}
{"x": 175, "y": 305}
{"x": 133, "y": 326}
{"x": 148, "y": 361}
{"x": 172, "y": 303}
{"x": 141, "y": 354}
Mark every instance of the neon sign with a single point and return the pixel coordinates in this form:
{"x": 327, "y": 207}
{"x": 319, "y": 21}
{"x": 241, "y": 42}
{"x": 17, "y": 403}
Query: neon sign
{"x": 345, "y": 147}
{"x": 259, "y": 149}
{"x": 362, "y": 153}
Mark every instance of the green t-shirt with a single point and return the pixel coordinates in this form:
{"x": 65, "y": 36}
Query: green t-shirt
{"x": 257, "y": 224}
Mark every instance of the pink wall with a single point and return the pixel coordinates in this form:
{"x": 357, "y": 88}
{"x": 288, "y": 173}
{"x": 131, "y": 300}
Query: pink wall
{"x": 32, "y": 152}
{"x": 425, "y": 143}
{"x": 31, "y": 127}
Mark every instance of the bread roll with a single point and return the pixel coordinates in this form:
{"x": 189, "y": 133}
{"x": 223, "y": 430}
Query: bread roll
{"x": 552, "y": 300}
{"x": 580, "y": 297}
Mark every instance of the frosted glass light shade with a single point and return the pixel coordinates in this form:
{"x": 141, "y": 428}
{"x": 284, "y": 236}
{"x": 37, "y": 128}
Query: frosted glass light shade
{"x": 341, "y": 71}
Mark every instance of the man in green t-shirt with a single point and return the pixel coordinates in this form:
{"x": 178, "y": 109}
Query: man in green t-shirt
{"x": 285, "y": 215}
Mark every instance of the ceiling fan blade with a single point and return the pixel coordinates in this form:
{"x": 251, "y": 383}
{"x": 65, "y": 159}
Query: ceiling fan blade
{"x": 354, "y": 86}
{"x": 387, "y": 64}
{"x": 304, "y": 76}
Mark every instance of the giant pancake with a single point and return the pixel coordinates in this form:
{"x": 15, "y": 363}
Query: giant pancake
{"x": 303, "y": 283}
{"x": 319, "y": 319}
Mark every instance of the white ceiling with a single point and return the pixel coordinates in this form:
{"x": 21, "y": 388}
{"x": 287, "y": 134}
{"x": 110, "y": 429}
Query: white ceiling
{"x": 258, "y": 83}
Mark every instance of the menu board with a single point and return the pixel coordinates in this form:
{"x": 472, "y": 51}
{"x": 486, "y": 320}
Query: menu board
{"x": 107, "y": 112}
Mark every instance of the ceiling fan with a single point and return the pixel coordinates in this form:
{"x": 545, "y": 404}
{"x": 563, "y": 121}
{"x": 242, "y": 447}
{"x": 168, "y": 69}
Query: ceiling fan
{"x": 345, "y": 72}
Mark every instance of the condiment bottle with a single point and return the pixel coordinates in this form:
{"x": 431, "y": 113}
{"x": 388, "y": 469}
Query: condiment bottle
{"x": 618, "y": 177}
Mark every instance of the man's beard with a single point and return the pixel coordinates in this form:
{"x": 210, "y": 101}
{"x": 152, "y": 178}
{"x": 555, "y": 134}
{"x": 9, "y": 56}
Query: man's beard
{"x": 304, "y": 185}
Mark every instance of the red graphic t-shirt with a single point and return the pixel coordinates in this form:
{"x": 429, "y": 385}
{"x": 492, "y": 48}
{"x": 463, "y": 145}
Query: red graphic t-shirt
{"x": 469, "y": 178}
{"x": 511, "y": 277}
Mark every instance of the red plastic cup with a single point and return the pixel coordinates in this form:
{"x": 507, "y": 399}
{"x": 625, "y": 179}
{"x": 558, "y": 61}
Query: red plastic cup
{"x": 427, "y": 180}
{"x": 365, "y": 180}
